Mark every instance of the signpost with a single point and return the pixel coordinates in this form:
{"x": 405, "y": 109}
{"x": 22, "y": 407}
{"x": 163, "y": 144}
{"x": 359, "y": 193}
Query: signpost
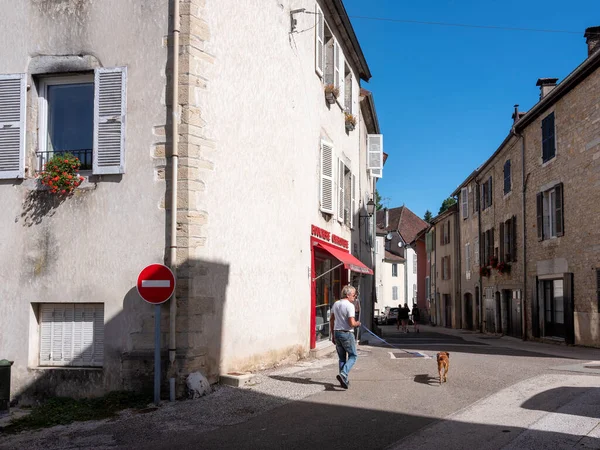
{"x": 156, "y": 284}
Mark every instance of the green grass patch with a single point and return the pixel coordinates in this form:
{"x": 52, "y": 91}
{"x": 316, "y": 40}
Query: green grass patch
{"x": 64, "y": 410}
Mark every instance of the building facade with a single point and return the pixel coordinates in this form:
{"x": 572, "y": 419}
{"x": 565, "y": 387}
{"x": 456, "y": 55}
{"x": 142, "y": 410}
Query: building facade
{"x": 242, "y": 150}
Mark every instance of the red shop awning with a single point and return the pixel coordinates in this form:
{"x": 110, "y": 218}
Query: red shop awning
{"x": 349, "y": 261}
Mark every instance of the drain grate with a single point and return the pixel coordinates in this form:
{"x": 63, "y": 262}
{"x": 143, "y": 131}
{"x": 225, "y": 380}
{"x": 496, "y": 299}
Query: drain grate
{"x": 406, "y": 355}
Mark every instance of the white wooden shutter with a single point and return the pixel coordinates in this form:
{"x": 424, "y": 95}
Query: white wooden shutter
{"x": 46, "y": 318}
{"x": 109, "y": 120}
{"x": 13, "y": 93}
{"x": 340, "y": 165}
{"x": 342, "y": 75}
{"x": 352, "y": 200}
{"x": 72, "y": 335}
{"x": 319, "y": 40}
{"x": 464, "y": 197}
{"x": 375, "y": 154}
{"x": 336, "y": 65}
{"x": 326, "y": 177}
{"x": 349, "y": 94}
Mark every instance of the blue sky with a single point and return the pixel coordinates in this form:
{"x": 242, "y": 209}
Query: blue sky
{"x": 444, "y": 95}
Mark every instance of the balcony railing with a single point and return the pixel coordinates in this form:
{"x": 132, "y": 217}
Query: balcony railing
{"x": 84, "y": 155}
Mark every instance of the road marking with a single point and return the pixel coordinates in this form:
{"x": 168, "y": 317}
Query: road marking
{"x": 156, "y": 283}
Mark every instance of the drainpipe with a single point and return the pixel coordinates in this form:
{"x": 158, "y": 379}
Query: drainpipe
{"x": 478, "y": 193}
{"x": 523, "y": 240}
{"x": 173, "y": 218}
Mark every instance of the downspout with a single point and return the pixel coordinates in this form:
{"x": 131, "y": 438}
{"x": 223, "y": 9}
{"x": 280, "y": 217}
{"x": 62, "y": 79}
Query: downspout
{"x": 173, "y": 218}
{"x": 478, "y": 194}
{"x": 523, "y": 236}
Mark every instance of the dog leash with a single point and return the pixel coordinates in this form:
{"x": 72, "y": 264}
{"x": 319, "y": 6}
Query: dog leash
{"x": 386, "y": 342}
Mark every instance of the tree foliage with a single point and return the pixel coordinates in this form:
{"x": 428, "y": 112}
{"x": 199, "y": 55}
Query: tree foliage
{"x": 447, "y": 204}
{"x": 428, "y": 216}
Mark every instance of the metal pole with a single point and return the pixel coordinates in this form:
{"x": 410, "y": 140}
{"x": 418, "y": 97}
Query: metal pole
{"x": 157, "y": 354}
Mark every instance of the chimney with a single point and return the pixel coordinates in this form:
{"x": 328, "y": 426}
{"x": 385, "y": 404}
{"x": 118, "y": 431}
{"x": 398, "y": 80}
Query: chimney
{"x": 546, "y": 85}
{"x": 387, "y": 217}
{"x": 515, "y": 115}
{"x": 592, "y": 38}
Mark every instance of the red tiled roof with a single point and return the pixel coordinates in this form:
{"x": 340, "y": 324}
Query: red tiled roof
{"x": 403, "y": 220}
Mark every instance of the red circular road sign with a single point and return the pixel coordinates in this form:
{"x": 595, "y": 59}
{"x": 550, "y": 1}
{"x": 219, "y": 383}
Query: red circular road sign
{"x": 156, "y": 283}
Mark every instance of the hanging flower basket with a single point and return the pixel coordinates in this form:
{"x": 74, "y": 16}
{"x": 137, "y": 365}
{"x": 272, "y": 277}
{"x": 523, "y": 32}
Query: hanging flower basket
{"x": 61, "y": 175}
{"x": 493, "y": 262}
{"x": 350, "y": 121}
{"x": 485, "y": 271}
{"x": 331, "y": 93}
{"x": 503, "y": 268}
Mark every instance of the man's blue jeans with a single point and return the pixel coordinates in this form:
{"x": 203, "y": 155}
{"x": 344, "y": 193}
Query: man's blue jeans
{"x": 346, "y": 350}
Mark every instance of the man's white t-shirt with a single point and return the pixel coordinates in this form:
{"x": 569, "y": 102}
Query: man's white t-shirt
{"x": 342, "y": 310}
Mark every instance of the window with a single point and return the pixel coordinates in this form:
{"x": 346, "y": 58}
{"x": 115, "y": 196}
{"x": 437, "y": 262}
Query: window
{"x": 487, "y": 238}
{"x": 598, "y": 287}
{"x": 80, "y": 114}
{"x": 394, "y": 270}
{"x": 414, "y": 264}
{"x": 550, "y": 214}
{"x": 486, "y": 194}
{"x": 346, "y": 195}
{"x": 508, "y": 237}
{"x": 468, "y": 257}
{"x": 375, "y": 155}
{"x": 326, "y": 189}
{"x": 71, "y": 334}
{"x": 507, "y": 184}
{"x": 476, "y": 199}
{"x": 348, "y": 97}
{"x": 446, "y": 268}
{"x": 84, "y": 115}
{"x": 445, "y": 237}
{"x": 548, "y": 138}
{"x": 464, "y": 202}
{"x": 394, "y": 292}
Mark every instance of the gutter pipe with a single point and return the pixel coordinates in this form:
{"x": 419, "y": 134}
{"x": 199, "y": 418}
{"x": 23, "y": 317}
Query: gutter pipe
{"x": 173, "y": 212}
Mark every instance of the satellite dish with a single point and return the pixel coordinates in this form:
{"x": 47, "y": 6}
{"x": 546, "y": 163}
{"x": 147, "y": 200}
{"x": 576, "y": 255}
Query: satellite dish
{"x": 388, "y": 237}
{"x": 400, "y": 244}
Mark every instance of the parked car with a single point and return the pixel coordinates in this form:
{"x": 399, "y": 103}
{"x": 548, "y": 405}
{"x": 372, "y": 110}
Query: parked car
{"x": 392, "y": 316}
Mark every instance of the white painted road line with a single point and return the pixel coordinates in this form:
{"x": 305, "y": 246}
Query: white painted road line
{"x": 156, "y": 283}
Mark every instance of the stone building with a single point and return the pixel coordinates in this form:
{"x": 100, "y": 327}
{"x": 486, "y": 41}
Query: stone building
{"x": 251, "y": 188}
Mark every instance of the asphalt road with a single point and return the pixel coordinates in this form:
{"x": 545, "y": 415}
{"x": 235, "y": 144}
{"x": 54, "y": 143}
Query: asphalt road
{"x": 501, "y": 393}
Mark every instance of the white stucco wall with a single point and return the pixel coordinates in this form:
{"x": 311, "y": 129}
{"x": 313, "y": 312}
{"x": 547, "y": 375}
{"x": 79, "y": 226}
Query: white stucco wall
{"x": 411, "y": 276}
{"x": 91, "y": 247}
{"x": 266, "y": 113}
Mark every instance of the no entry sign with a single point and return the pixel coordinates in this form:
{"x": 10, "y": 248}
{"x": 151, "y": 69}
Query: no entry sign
{"x": 156, "y": 283}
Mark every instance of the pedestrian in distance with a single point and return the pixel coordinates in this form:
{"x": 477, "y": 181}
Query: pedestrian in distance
{"x": 356, "y": 304}
{"x": 341, "y": 325}
{"x": 416, "y": 317}
{"x": 403, "y": 314}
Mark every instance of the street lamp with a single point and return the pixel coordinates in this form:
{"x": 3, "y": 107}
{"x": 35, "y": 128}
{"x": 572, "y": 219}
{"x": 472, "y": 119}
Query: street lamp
{"x": 370, "y": 208}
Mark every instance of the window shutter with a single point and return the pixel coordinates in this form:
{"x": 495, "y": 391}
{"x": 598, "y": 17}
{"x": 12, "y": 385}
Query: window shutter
{"x": 46, "y": 318}
{"x": 109, "y": 121}
{"x": 349, "y": 98}
{"x": 501, "y": 255}
{"x": 375, "y": 154}
{"x": 490, "y": 192}
{"x": 492, "y": 239}
{"x": 340, "y": 191}
{"x": 560, "y": 226}
{"x": 464, "y": 197}
{"x": 477, "y": 198}
{"x": 548, "y": 140}
{"x": 507, "y": 177}
{"x": 336, "y": 64}
{"x": 326, "y": 177}
{"x": 319, "y": 40}
{"x": 13, "y": 94}
{"x": 58, "y": 319}
{"x": 513, "y": 245}
{"x": 448, "y": 233}
{"x": 535, "y": 308}
{"x": 342, "y": 82}
{"x": 483, "y": 195}
{"x": 352, "y": 200}
{"x": 540, "y": 215}
{"x": 68, "y": 339}
{"x": 449, "y": 268}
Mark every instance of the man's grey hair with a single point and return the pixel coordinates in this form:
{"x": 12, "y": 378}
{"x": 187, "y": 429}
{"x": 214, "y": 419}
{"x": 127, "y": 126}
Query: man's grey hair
{"x": 347, "y": 290}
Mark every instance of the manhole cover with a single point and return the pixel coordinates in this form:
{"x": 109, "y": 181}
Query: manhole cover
{"x": 406, "y": 355}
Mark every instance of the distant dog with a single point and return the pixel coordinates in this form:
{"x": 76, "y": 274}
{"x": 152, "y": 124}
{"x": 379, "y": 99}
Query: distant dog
{"x": 443, "y": 360}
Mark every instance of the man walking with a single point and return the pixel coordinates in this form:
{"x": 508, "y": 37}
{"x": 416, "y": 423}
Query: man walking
{"x": 341, "y": 323}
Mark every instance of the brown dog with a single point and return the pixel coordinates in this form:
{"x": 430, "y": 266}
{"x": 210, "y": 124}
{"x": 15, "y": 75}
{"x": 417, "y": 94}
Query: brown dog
{"x": 443, "y": 360}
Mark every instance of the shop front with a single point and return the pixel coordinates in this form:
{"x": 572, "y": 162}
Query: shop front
{"x": 330, "y": 263}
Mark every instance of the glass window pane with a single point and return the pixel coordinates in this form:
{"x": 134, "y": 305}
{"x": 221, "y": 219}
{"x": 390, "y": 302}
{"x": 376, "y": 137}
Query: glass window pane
{"x": 559, "y": 306}
{"x": 70, "y": 117}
